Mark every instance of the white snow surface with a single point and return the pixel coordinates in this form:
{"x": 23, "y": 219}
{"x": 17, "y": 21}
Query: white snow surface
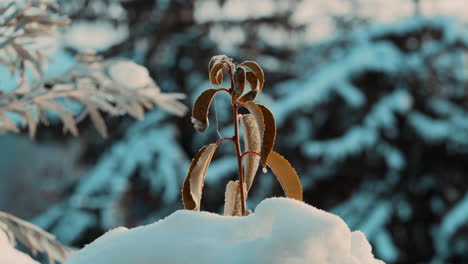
{"x": 281, "y": 230}
{"x": 9, "y": 255}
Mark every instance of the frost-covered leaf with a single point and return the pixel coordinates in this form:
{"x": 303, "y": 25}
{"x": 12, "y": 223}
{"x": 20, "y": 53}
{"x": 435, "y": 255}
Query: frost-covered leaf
{"x": 239, "y": 83}
{"x": 269, "y": 133}
{"x": 201, "y": 108}
{"x": 249, "y": 96}
{"x": 216, "y": 74}
{"x": 193, "y": 183}
{"x": 252, "y": 142}
{"x": 216, "y": 59}
{"x": 253, "y": 80}
{"x": 286, "y": 175}
{"x": 232, "y": 199}
{"x": 257, "y": 70}
{"x": 267, "y": 127}
{"x": 255, "y": 110}
{"x": 254, "y": 88}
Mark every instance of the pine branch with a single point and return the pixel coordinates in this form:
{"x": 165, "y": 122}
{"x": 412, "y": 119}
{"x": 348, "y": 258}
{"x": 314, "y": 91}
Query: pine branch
{"x": 93, "y": 84}
{"x": 33, "y": 237}
{"x": 21, "y": 22}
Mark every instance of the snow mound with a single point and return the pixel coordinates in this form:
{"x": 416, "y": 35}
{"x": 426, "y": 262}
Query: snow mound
{"x": 95, "y": 36}
{"x": 281, "y": 230}
{"x": 129, "y": 74}
{"x": 9, "y": 255}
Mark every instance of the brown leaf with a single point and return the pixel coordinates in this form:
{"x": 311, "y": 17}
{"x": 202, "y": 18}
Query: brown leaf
{"x": 267, "y": 127}
{"x": 215, "y": 59}
{"x": 216, "y": 73}
{"x": 257, "y": 70}
{"x": 201, "y": 107}
{"x": 249, "y": 96}
{"x": 286, "y": 175}
{"x": 193, "y": 183}
{"x": 255, "y": 110}
{"x": 253, "y": 80}
{"x": 232, "y": 199}
{"x": 252, "y": 142}
{"x": 219, "y": 77}
{"x": 239, "y": 83}
{"x": 254, "y": 86}
{"x": 269, "y": 133}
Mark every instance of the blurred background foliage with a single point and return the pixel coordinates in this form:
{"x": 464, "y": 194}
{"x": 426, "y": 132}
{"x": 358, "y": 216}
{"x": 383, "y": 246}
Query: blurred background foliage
{"x": 370, "y": 99}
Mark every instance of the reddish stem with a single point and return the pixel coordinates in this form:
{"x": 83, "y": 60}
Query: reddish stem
{"x": 223, "y": 139}
{"x": 250, "y": 152}
{"x": 224, "y": 89}
{"x": 235, "y": 113}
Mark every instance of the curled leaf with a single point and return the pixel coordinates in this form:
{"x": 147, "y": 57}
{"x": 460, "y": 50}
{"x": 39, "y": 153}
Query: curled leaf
{"x": 219, "y": 77}
{"x": 254, "y": 86}
{"x": 257, "y": 70}
{"x": 253, "y": 80}
{"x": 269, "y": 133}
{"x": 201, "y": 108}
{"x": 286, "y": 175}
{"x": 215, "y": 59}
{"x": 216, "y": 73}
{"x": 239, "y": 83}
{"x": 252, "y": 142}
{"x": 193, "y": 183}
{"x": 232, "y": 199}
{"x": 249, "y": 96}
{"x": 255, "y": 110}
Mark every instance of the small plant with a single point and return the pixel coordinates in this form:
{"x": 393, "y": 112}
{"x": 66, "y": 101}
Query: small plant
{"x": 259, "y": 131}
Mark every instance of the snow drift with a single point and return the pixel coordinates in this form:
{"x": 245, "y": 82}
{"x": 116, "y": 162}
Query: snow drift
{"x": 280, "y": 231}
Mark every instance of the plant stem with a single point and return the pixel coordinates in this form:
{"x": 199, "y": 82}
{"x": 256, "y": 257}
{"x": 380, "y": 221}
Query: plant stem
{"x": 223, "y": 89}
{"x": 249, "y": 152}
{"x": 223, "y": 139}
{"x": 235, "y": 113}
